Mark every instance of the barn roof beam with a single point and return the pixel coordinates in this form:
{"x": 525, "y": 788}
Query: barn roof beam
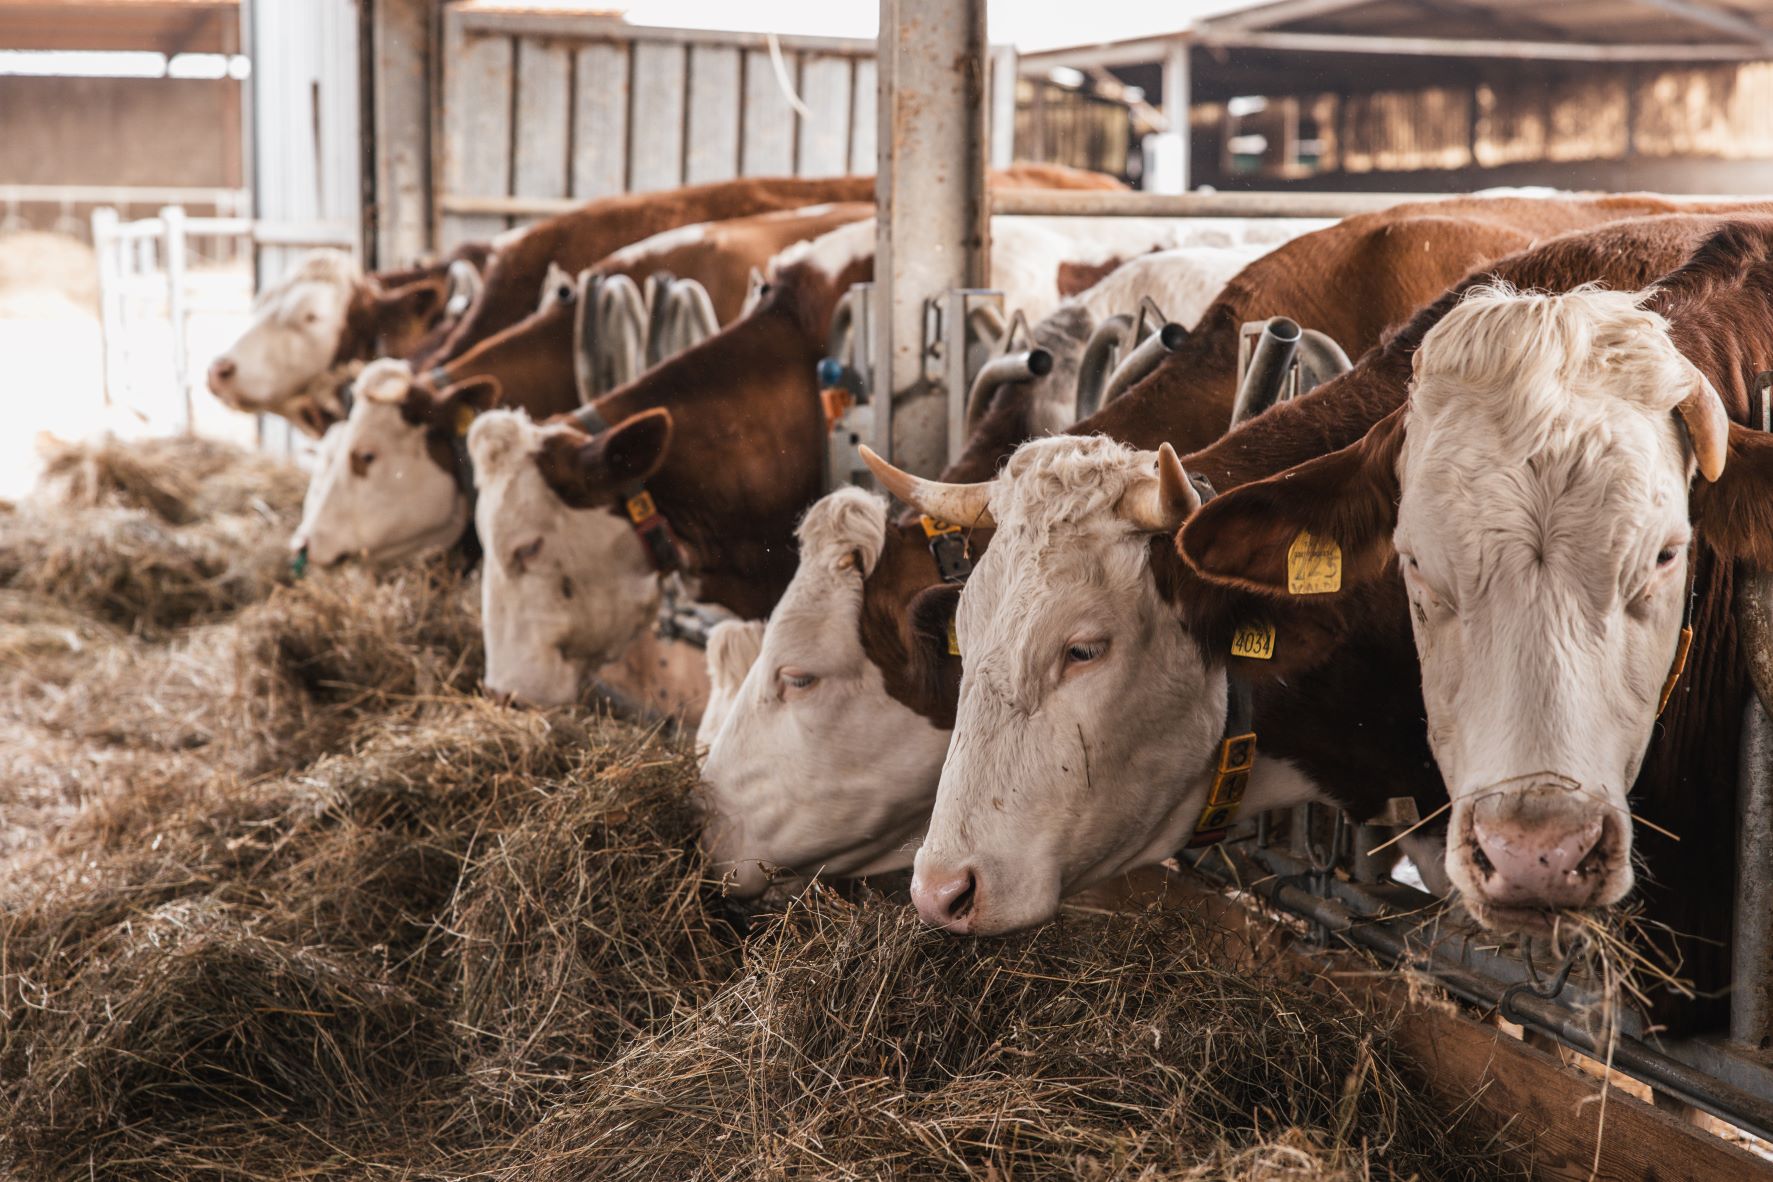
{"x": 1474, "y": 47}
{"x": 1714, "y": 18}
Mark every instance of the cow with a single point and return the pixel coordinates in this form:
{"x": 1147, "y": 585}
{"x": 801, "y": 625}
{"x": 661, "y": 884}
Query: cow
{"x": 1555, "y": 513}
{"x": 585, "y": 236}
{"x": 1356, "y": 278}
{"x": 325, "y": 316}
{"x": 742, "y": 460}
{"x": 535, "y": 355}
{"x": 1346, "y": 722}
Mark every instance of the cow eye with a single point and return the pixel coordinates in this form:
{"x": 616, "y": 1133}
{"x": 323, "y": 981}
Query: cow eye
{"x": 796, "y": 681}
{"x": 1083, "y": 652}
{"x": 361, "y": 460}
{"x": 564, "y": 293}
{"x": 566, "y": 587}
{"x": 523, "y": 555}
{"x": 1666, "y": 555}
{"x": 311, "y": 318}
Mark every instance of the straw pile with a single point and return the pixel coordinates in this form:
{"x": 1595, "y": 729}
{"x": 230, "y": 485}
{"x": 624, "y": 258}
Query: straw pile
{"x": 279, "y": 897}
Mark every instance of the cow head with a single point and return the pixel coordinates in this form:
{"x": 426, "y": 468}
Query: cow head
{"x": 323, "y": 313}
{"x": 815, "y": 768}
{"x": 1087, "y": 716}
{"x": 386, "y": 488}
{"x": 1534, "y": 495}
{"x": 567, "y": 583}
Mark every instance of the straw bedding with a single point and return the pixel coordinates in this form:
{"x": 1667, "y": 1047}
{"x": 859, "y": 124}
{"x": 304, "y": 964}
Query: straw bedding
{"x": 281, "y": 897}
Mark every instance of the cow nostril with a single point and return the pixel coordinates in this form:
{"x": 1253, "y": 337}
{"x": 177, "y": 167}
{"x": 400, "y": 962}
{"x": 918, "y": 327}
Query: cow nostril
{"x": 961, "y": 904}
{"x": 223, "y": 369}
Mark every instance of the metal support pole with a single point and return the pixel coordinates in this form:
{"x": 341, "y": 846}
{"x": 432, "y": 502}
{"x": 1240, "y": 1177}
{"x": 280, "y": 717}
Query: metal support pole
{"x": 933, "y": 232}
{"x": 104, "y": 245}
{"x": 1177, "y": 90}
{"x": 1003, "y": 106}
{"x": 172, "y": 219}
{"x": 1751, "y": 969}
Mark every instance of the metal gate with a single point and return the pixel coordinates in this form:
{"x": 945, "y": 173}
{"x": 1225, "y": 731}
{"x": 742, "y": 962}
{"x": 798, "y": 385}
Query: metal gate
{"x": 543, "y": 112}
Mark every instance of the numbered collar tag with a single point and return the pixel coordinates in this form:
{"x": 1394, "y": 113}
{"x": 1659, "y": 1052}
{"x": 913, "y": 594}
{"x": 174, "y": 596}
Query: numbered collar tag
{"x": 953, "y": 639}
{"x": 1253, "y": 641}
{"x": 948, "y": 546}
{"x": 1314, "y": 565}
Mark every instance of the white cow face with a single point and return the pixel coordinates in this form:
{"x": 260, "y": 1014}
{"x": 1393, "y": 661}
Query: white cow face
{"x": 815, "y": 768}
{"x": 1087, "y": 716}
{"x": 1539, "y": 481}
{"x": 567, "y": 583}
{"x": 385, "y": 489}
{"x": 297, "y": 326}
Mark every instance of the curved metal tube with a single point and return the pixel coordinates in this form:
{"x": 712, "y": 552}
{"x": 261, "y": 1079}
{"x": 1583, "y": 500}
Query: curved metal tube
{"x": 843, "y": 317}
{"x": 656, "y": 299}
{"x": 463, "y": 290}
{"x": 1143, "y": 359}
{"x": 1011, "y": 367}
{"x": 622, "y": 324}
{"x": 1269, "y": 362}
{"x": 1105, "y": 347}
{"x": 988, "y": 325}
{"x": 1320, "y": 359}
{"x": 585, "y": 333}
{"x": 690, "y": 318}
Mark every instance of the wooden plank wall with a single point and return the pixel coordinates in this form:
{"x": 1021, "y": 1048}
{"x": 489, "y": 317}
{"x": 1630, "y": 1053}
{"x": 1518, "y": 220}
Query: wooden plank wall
{"x": 542, "y": 112}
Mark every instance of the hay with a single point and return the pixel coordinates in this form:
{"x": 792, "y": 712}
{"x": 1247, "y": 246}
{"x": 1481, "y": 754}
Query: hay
{"x": 856, "y": 1044}
{"x": 290, "y": 900}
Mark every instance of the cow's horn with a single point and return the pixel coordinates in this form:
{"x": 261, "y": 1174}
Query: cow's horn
{"x": 1707, "y": 426}
{"x": 1161, "y": 507}
{"x": 958, "y": 504}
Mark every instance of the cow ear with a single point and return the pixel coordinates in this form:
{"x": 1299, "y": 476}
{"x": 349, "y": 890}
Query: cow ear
{"x": 634, "y": 448}
{"x": 458, "y": 406}
{"x": 420, "y": 301}
{"x": 733, "y": 647}
{"x": 1734, "y": 513}
{"x": 931, "y": 618}
{"x": 1346, "y": 501}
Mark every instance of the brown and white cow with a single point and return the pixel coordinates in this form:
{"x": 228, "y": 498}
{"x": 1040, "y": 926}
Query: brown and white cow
{"x": 1542, "y": 499}
{"x": 743, "y": 460}
{"x": 584, "y": 237}
{"x": 1354, "y": 279}
{"x": 1347, "y": 718}
{"x": 326, "y": 315}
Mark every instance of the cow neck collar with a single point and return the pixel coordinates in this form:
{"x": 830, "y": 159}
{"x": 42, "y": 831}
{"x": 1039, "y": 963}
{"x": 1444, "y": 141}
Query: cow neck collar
{"x": 655, "y": 533}
{"x": 1684, "y": 644}
{"x": 461, "y": 464}
{"x": 1235, "y": 758}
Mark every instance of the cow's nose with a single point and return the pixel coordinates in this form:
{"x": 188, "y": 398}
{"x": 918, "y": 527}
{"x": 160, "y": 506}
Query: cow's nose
{"x": 946, "y": 898}
{"x": 1536, "y": 866}
{"x": 221, "y": 372}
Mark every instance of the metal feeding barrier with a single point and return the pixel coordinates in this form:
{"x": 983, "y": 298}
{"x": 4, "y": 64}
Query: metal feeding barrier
{"x": 1122, "y": 352}
{"x": 1324, "y": 874}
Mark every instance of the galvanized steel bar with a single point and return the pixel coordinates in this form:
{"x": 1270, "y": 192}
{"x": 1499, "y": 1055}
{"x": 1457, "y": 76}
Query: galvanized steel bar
{"x": 1269, "y": 363}
{"x": 1141, "y": 361}
{"x": 1088, "y": 203}
{"x": 1103, "y": 352}
{"x": 933, "y": 229}
{"x": 1751, "y": 968}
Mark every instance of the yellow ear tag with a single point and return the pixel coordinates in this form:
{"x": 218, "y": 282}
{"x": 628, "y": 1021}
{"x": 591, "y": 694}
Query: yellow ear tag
{"x": 953, "y": 640}
{"x": 464, "y": 418}
{"x": 1255, "y": 641}
{"x": 1682, "y": 647}
{"x": 1314, "y": 565}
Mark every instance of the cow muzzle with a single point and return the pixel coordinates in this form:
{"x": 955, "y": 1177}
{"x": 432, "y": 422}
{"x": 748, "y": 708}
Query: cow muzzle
{"x": 222, "y": 372}
{"x": 946, "y": 897}
{"x": 1528, "y": 851}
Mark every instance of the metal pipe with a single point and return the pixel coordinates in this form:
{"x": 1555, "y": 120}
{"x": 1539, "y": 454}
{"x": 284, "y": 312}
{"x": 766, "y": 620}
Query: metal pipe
{"x": 840, "y": 341}
{"x": 657, "y": 301}
{"x": 622, "y": 331}
{"x": 1011, "y": 367}
{"x": 1083, "y": 203}
{"x": 1751, "y": 946}
{"x": 1105, "y": 347}
{"x": 1722, "y": 1100}
{"x": 1269, "y": 362}
{"x": 1320, "y": 359}
{"x": 464, "y": 288}
{"x": 690, "y": 318}
{"x": 1142, "y": 360}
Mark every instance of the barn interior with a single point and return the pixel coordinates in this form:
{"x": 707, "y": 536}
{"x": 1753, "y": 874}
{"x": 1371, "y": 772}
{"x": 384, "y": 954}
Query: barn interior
{"x": 288, "y": 886}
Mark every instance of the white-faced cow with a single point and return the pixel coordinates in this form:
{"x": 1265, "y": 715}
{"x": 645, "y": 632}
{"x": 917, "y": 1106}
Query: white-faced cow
{"x": 898, "y": 626}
